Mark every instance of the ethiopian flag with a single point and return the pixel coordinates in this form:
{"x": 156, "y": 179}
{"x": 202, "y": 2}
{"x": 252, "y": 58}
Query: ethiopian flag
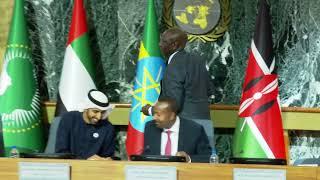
{"x": 259, "y": 132}
{"x": 78, "y": 72}
{"x": 150, "y": 68}
{"x": 19, "y": 93}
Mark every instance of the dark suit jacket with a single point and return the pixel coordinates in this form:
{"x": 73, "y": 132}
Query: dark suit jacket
{"x": 192, "y": 140}
{"x": 187, "y": 80}
{"x": 84, "y": 140}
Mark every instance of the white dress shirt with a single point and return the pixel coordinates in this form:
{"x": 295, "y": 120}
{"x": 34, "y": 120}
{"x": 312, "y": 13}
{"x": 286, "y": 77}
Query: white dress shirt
{"x": 171, "y": 56}
{"x": 174, "y": 136}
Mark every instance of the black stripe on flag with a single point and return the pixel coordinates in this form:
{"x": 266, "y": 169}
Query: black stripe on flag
{"x": 264, "y": 107}
{"x": 263, "y": 33}
{"x": 252, "y": 83}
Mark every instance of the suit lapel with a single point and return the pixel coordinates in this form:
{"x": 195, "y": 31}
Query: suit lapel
{"x": 157, "y": 140}
{"x": 181, "y": 132}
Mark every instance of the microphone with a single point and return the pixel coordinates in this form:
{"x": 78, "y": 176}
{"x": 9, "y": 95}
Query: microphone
{"x": 147, "y": 149}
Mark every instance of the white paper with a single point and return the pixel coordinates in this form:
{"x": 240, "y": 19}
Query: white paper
{"x": 258, "y": 174}
{"x": 150, "y": 172}
{"x": 44, "y": 171}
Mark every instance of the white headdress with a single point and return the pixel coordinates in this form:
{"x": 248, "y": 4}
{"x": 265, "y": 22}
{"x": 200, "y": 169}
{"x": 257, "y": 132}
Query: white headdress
{"x": 96, "y": 99}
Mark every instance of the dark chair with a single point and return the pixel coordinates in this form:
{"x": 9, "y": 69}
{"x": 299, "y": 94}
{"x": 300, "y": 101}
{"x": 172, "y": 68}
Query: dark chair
{"x": 51, "y": 144}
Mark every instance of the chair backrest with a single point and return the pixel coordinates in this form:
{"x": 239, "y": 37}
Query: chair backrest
{"x": 307, "y": 162}
{"x": 51, "y": 144}
{"x": 208, "y": 128}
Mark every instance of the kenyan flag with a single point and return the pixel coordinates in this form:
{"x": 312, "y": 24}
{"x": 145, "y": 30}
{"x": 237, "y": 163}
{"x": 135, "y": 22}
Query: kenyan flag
{"x": 78, "y": 72}
{"x": 19, "y": 93}
{"x": 259, "y": 132}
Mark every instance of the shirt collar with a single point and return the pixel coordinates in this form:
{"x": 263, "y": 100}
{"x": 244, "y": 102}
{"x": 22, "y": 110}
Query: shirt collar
{"x": 175, "y": 126}
{"x": 171, "y": 56}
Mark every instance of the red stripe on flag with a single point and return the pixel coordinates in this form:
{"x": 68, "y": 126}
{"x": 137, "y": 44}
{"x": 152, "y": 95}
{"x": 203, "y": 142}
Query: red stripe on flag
{"x": 270, "y": 126}
{"x": 78, "y": 21}
{"x": 253, "y": 69}
{"x": 135, "y": 141}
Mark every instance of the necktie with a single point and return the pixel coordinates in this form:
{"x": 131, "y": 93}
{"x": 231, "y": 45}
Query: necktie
{"x": 167, "y": 151}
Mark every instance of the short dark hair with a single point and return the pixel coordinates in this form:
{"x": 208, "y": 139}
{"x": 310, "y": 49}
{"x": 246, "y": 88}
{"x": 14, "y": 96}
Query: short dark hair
{"x": 178, "y": 35}
{"x": 172, "y": 103}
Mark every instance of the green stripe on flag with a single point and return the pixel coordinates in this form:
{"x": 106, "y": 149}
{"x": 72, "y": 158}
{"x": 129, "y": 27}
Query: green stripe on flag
{"x": 83, "y": 51}
{"x": 245, "y": 143}
{"x": 150, "y": 41}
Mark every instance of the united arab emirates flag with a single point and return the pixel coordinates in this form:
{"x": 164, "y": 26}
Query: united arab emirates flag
{"x": 259, "y": 132}
{"x": 78, "y": 72}
{"x": 150, "y": 68}
{"x": 19, "y": 93}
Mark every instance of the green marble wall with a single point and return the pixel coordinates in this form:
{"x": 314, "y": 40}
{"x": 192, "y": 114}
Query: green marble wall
{"x": 115, "y": 28}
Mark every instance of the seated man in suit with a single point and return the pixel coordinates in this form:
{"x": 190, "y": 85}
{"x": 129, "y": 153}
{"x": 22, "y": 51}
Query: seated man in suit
{"x": 169, "y": 134}
{"x": 87, "y": 134}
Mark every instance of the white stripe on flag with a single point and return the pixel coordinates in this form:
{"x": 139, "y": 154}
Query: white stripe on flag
{"x": 75, "y": 81}
{"x": 260, "y": 138}
{"x": 257, "y": 95}
{"x": 264, "y": 68}
{"x": 279, "y": 105}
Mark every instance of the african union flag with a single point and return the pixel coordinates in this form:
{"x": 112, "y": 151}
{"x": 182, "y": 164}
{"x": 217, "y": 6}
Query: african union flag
{"x": 150, "y": 68}
{"x": 20, "y": 109}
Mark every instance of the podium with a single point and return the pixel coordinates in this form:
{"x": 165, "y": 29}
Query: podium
{"x": 115, "y": 170}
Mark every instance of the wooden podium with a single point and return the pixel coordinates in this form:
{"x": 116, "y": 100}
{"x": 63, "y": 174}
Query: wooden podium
{"x": 114, "y": 170}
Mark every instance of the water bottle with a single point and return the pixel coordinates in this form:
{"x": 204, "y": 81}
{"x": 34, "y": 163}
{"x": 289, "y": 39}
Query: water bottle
{"x": 14, "y": 152}
{"x": 214, "y": 159}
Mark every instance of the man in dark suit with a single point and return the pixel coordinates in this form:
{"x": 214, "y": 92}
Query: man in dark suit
{"x": 186, "y": 80}
{"x": 168, "y": 134}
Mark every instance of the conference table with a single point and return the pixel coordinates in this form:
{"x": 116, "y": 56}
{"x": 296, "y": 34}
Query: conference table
{"x": 113, "y": 170}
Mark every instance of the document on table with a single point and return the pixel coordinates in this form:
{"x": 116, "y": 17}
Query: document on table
{"x": 258, "y": 174}
{"x": 133, "y": 172}
{"x": 40, "y": 171}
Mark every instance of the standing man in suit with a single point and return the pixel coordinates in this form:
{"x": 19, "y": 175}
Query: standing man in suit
{"x": 169, "y": 134}
{"x": 186, "y": 79}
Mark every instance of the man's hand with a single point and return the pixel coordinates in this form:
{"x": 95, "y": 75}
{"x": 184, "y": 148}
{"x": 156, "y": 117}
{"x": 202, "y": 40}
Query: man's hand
{"x": 145, "y": 110}
{"x": 96, "y": 157}
{"x": 184, "y": 154}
